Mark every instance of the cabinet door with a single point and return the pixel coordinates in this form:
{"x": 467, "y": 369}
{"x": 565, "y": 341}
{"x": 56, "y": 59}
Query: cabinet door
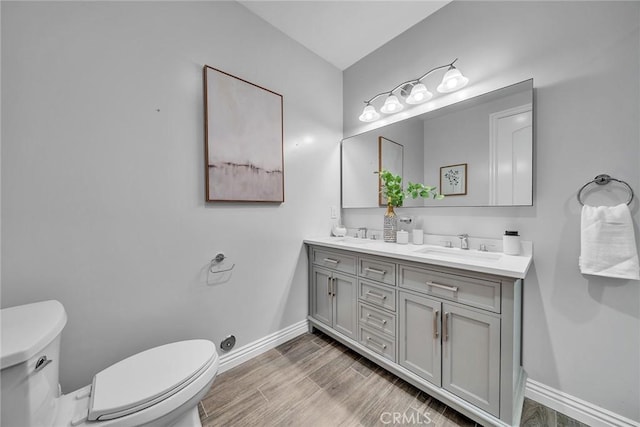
{"x": 321, "y": 303}
{"x": 419, "y": 339}
{"x": 471, "y": 356}
{"x": 344, "y": 309}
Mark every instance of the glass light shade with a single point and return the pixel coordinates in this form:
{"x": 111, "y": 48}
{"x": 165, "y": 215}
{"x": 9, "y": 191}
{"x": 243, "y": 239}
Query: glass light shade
{"x": 452, "y": 81}
{"x": 419, "y": 94}
{"x": 369, "y": 114}
{"x": 391, "y": 105}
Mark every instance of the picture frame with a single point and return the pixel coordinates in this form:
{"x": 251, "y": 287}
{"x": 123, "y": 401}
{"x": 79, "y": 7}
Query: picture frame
{"x": 244, "y": 155}
{"x": 453, "y": 180}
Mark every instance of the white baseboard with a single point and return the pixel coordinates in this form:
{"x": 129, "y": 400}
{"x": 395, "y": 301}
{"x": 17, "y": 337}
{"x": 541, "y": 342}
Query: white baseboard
{"x": 574, "y": 407}
{"x": 251, "y": 350}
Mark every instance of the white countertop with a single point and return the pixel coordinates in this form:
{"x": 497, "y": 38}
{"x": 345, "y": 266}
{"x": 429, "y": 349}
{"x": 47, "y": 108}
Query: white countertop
{"x": 472, "y": 259}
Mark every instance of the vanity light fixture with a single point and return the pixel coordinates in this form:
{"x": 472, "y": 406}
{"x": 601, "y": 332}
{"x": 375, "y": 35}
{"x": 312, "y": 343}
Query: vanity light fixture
{"x": 418, "y": 92}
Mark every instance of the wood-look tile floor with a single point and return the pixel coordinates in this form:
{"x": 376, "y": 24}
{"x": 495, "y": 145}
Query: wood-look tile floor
{"x": 313, "y": 380}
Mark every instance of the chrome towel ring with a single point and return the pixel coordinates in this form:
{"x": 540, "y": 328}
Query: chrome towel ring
{"x": 602, "y": 180}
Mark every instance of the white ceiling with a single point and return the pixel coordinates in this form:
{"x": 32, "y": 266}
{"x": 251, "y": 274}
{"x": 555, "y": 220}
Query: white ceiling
{"x": 343, "y": 32}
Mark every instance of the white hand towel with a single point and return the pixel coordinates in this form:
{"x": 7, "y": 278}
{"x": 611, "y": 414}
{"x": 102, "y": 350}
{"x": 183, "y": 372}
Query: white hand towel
{"x": 608, "y": 245}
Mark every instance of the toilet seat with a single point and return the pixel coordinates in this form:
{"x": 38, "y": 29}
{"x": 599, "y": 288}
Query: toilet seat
{"x": 146, "y": 378}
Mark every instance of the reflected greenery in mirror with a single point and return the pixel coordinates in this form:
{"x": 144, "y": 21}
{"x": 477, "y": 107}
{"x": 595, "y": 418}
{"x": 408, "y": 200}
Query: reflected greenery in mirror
{"x": 491, "y": 133}
{"x": 394, "y": 192}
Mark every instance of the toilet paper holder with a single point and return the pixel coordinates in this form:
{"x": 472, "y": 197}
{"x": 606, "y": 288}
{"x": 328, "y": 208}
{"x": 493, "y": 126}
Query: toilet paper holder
{"x": 215, "y": 262}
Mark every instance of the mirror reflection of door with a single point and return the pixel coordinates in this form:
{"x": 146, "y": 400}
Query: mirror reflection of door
{"x": 390, "y": 158}
{"x": 510, "y": 162}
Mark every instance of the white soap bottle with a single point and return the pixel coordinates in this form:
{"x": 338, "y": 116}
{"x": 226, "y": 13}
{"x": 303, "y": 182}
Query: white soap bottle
{"x": 511, "y": 243}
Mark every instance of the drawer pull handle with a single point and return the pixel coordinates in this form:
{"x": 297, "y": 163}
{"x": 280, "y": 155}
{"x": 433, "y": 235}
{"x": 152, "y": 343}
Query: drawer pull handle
{"x": 373, "y": 294}
{"x": 372, "y": 341}
{"x": 435, "y": 324}
{"x": 334, "y": 261}
{"x": 445, "y": 287}
{"x": 374, "y": 270}
{"x": 383, "y": 321}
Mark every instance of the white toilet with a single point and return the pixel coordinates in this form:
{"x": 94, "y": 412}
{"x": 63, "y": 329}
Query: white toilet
{"x": 160, "y": 387}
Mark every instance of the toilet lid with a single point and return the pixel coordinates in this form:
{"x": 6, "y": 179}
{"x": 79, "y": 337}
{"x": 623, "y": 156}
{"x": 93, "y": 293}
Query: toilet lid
{"x": 146, "y": 378}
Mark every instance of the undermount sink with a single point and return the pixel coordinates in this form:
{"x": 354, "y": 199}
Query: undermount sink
{"x": 460, "y": 254}
{"x": 353, "y": 240}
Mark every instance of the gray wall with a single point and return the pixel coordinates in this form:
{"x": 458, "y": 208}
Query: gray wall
{"x": 103, "y": 195}
{"x": 580, "y": 332}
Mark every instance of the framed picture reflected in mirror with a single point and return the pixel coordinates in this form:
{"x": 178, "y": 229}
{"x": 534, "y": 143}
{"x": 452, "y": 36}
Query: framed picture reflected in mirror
{"x": 453, "y": 180}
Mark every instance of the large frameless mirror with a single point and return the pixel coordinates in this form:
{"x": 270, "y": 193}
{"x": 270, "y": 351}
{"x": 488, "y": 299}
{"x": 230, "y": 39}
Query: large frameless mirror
{"x": 490, "y": 134}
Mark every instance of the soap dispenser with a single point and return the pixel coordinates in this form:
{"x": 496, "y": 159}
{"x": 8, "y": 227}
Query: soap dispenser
{"x": 511, "y": 243}
{"x": 402, "y": 236}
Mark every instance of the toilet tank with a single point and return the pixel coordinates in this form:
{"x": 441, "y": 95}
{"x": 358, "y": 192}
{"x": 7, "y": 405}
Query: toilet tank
{"x": 30, "y": 362}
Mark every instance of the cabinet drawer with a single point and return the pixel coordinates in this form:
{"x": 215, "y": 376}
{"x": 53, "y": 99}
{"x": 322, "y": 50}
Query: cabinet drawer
{"x": 338, "y": 261}
{"x": 473, "y": 291}
{"x": 377, "y": 295}
{"x": 378, "y": 343}
{"x": 377, "y": 320}
{"x": 376, "y": 269}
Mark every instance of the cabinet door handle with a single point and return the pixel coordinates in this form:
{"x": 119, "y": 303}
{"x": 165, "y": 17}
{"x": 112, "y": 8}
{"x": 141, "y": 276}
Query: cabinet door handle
{"x": 435, "y": 324}
{"x": 373, "y": 294}
{"x": 333, "y": 288}
{"x": 372, "y": 341}
{"x": 375, "y": 270}
{"x": 334, "y": 261}
{"x": 445, "y": 326}
{"x": 329, "y": 284}
{"x": 445, "y": 287}
{"x": 383, "y": 321}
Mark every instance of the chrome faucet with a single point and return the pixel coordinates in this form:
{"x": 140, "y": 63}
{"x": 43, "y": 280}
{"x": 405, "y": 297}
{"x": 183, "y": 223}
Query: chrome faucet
{"x": 362, "y": 232}
{"x": 464, "y": 241}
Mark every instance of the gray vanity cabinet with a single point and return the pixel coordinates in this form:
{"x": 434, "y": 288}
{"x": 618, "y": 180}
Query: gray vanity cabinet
{"x": 334, "y": 297}
{"x": 471, "y": 356}
{"x": 334, "y": 293}
{"x": 450, "y": 323}
{"x": 451, "y": 332}
{"x": 377, "y": 305}
{"x": 452, "y": 347}
{"x": 420, "y": 346}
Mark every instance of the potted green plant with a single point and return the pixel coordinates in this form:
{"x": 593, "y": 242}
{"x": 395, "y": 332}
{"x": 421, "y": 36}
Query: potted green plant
{"x": 392, "y": 190}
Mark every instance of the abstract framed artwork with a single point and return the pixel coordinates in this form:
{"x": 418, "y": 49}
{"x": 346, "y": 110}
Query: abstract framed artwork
{"x": 453, "y": 180}
{"x": 243, "y": 140}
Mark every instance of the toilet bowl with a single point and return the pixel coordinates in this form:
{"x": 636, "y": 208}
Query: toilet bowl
{"x": 159, "y": 387}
